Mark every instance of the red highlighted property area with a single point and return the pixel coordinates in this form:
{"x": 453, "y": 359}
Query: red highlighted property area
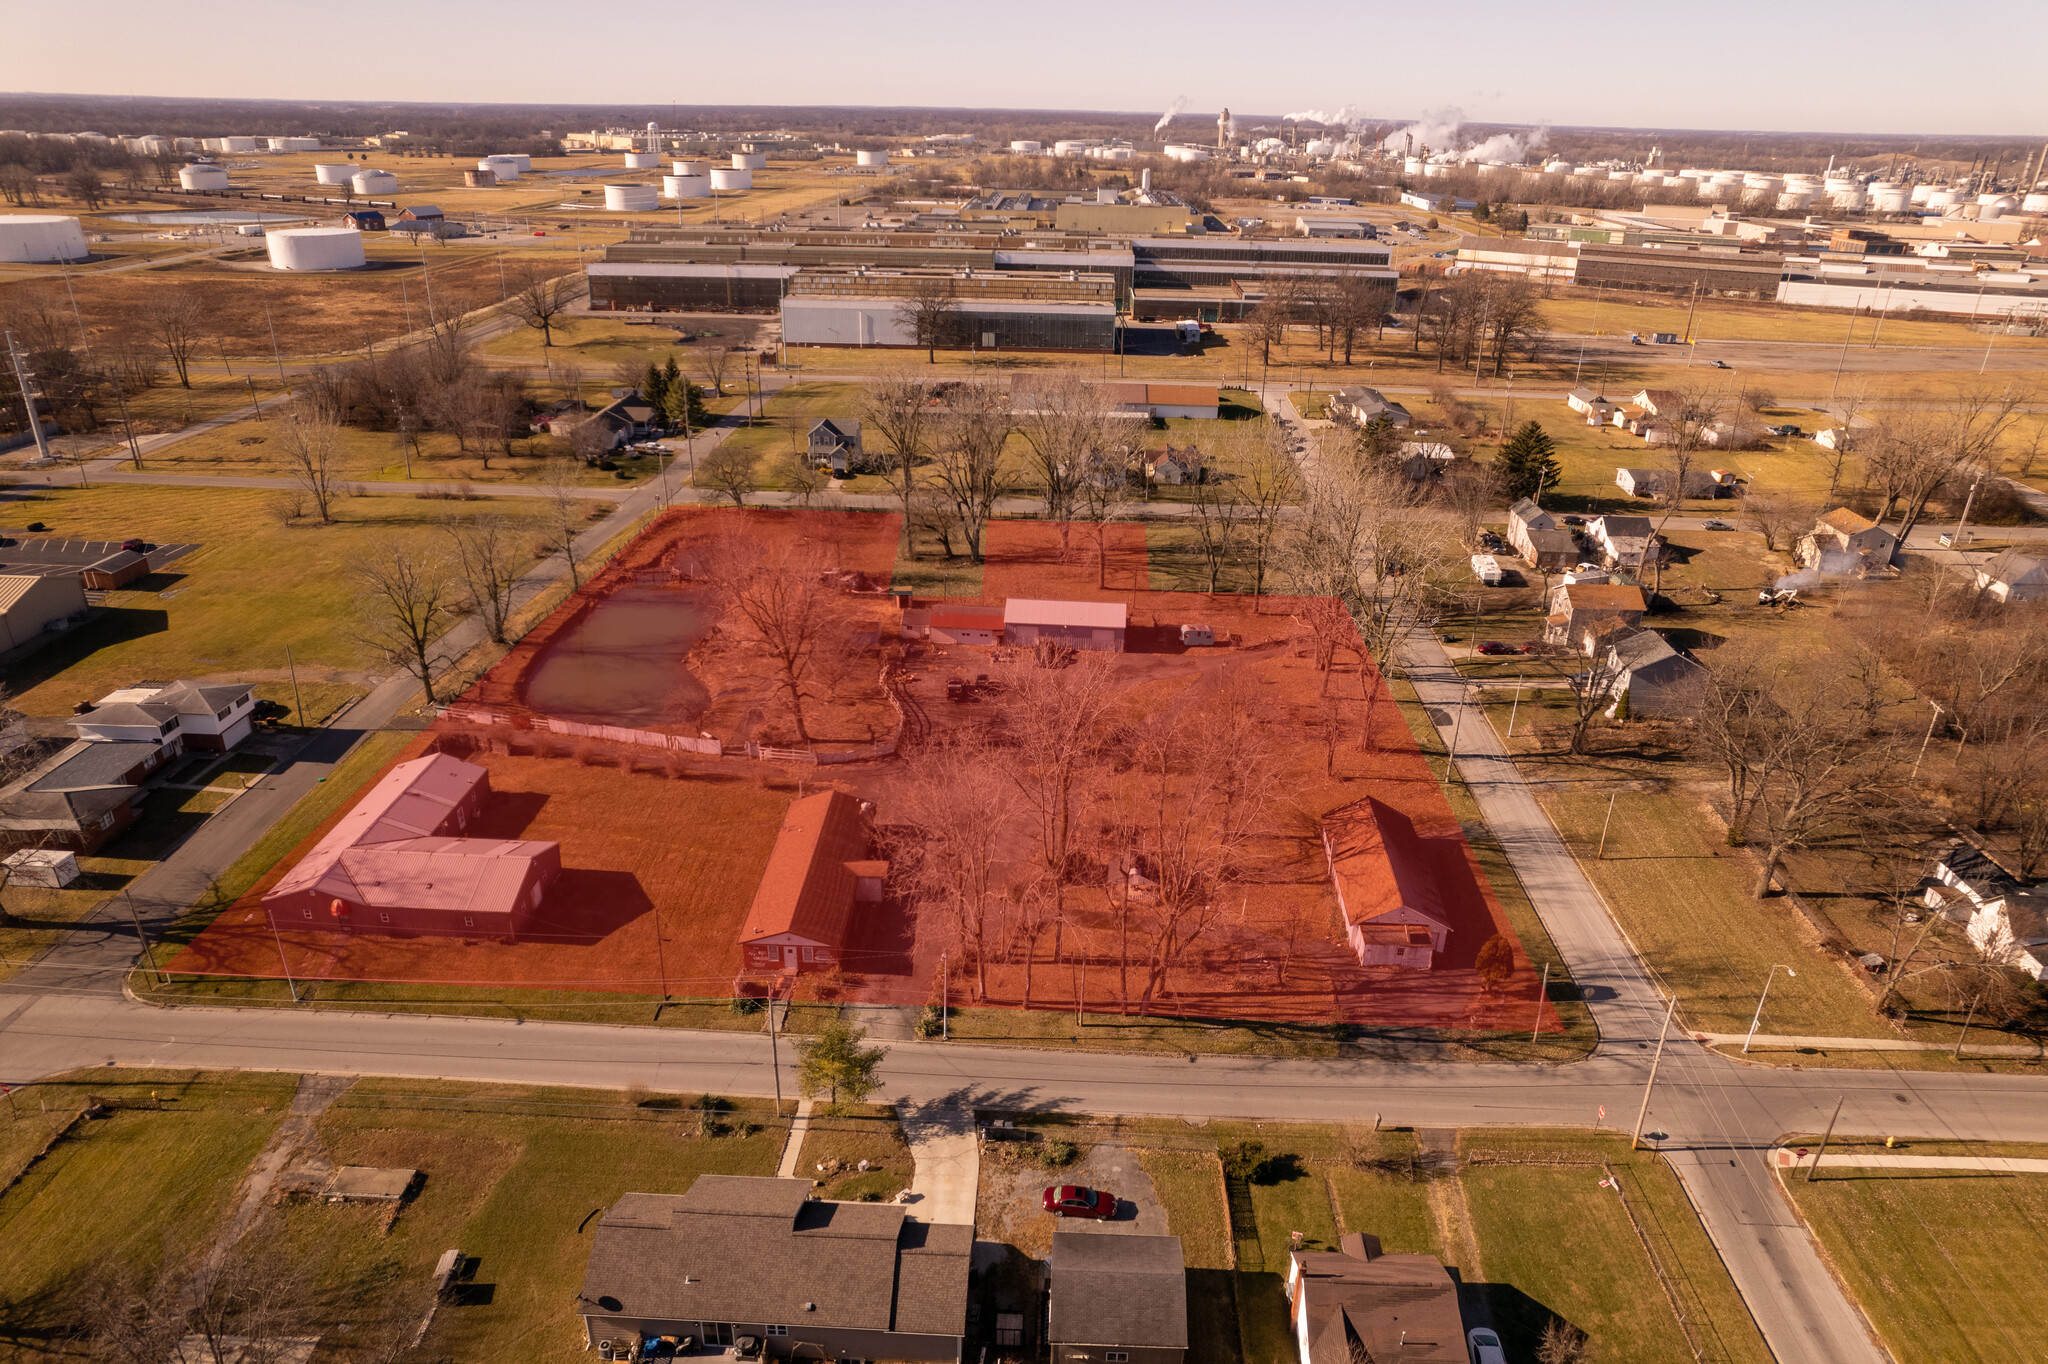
{"x": 738, "y": 762}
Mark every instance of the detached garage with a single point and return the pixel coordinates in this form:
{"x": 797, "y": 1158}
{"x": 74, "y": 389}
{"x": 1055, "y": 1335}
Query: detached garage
{"x": 1077, "y": 624}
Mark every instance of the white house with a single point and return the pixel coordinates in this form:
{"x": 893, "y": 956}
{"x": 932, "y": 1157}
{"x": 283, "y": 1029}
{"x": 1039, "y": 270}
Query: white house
{"x": 213, "y": 718}
{"x": 2007, "y": 920}
{"x": 2013, "y": 576}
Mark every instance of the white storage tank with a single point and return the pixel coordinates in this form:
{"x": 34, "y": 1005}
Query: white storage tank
{"x": 1187, "y": 153}
{"x": 1621, "y": 175}
{"x": 1027, "y": 148}
{"x": 1559, "y": 167}
{"x": 1435, "y": 170}
{"x": 629, "y": 198}
{"x": 294, "y": 144}
{"x": 1412, "y": 166}
{"x": 524, "y": 161}
{"x": 1794, "y": 200}
{"x": 726, "y": 178}
{"x": 1652, "y": 179}
{"x": 871, "y": 158}
{"x": 315, "y": 248}
{"x": 202, "y": 176}
{"x": 1941, "y": 198}
{"x": 1850, "y": 200}
{"x": 2034, "y": 203}
{"x": 1995, "y": 206}
{"x": 749, "y": 161}
{"x": 1754, "y": 183}
{"x": 642, "y": 160}
{"x": 685, "y": 186}
{"x": 506, "y": 168}
{"x": 1890, "y": 198}
{"x": 369, "y": 181}
{"x": 29, "y": 238}
{"x": 333, "y": 172}
{"x": 238, "y": 144}
{"x": 687, "y": 168}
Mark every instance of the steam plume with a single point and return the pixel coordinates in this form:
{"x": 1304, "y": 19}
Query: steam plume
{"x": 1179, "y": 105}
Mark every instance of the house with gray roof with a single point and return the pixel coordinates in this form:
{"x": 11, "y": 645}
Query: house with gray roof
{"x": 835, "y": 443}
{"x": 81, "y": 796}
{"x": 741, "y": 1256}
{"x": 213, "y": 717}
{"x": 1117, "y": 1299}
{"x": 1358, "y": 1303}
{"x": 2013, "y": 576}
{"x": 1656, "y": 678}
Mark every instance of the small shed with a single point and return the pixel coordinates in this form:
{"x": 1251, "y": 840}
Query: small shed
{"x": 954, "y": 623}
{"x": 51, "y": 867}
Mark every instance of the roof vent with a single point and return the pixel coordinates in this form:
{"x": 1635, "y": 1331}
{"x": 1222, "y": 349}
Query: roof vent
{"x": 810, "y": 1307}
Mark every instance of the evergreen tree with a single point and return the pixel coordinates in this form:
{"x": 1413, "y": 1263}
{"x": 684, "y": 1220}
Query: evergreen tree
{"x": 654, "y": 387}
{"x": 1528, "y": 463}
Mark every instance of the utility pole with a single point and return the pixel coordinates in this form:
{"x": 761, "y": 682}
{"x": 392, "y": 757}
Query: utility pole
{"x": 143, "y": 938}
{"x": 1516, "y": 708}
{"x": 661, "y": 958}
{"x": 28, "y": 402}
{"x": 774, "y": 1056}
{"x": 1957, "y": 1054}
{"x": 283, "y": 960}
{"x": 1956, "y": 541}
{"x": 945, "y": 996}
{"x": 1600, "y": 855}
{"x": 1693, "y": 308}
{"x": 134, "y": 450}
{"x": 1635, "y": 1143}
{"x": 1542, "y": 994}
{"x": 298, "y": 705}
{"x": 275, "y": 352}
{"x": 1843, "y": 358}
{"x": 1814, "y": 1168}
{"x": 1758, "y": 1019}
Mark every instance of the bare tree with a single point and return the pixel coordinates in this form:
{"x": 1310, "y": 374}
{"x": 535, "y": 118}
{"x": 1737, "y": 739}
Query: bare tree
{"x": 1592, "y": 692}
{"x": 1916, "y": 455}
{"x": 783, "y": 607}
{"x": 488, "y": 558}
{"x": 717, "y": 363}
{"x": 729, "y": 471}
{"x": 930, "y": 313}
{"x": 86, "y": 186}
{"x": 1218, "y": 523}
{"x": 1271, "y": 487}
{"x": 1066, "y": 421}
{"x": 542, "y": 303}
{"x": 967, "y": 461}
{"x": 1777, "y": 518}
{"x": 900, "y": 411}
{"x": 179, "y": 319}
{"x": 406, "y": 597}
{"x": 558, "y": 481}
{"x": 1693, "y": 412}
{"x": 804, "y": 479}
{"x": 1269, "y": 321}
{"x": 964, "y": 824}
{"x": 1102, "y": 497}
{"x": 311, "y": 444}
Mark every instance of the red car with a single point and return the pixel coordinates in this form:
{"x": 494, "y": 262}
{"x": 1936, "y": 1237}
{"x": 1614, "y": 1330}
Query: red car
{"x": 1071, "y": 1200}
{"x": 1494, "y": 646}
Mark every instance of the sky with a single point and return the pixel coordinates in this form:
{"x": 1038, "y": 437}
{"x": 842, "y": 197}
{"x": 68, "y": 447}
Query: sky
{"x": 1883, "y": 66}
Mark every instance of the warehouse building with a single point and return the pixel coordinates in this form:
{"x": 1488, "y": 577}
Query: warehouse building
{"x": 1077, "y": 624}
{"x": 986, "y": 311}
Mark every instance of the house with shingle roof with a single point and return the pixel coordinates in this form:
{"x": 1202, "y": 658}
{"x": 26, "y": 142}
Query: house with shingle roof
{"x": 1387, "y": 889}
{"x": 2013, "y": 576}
{"x": 1116, "y": 1299}
{"x": 1577, "y": 607}
{"x": 1844, "y": 541}
{"x": 1656, "y": 678}
{"x": 398, "y": 863}
{"x": 821, "y": 866}
{"x": 213, "y": 717}
{"x": 741, "y": 1256}
{"x": 1357, "y": 1303}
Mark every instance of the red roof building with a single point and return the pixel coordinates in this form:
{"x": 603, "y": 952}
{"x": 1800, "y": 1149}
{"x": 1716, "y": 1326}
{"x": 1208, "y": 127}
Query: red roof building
{"x": 818, "y": 869}
{"x": 397, "y": 863}
{"x": 1393, "y": 907}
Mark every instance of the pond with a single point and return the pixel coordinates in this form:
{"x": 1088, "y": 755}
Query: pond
{"x": 622, "y": 662}
{"x": 210, "y": 215}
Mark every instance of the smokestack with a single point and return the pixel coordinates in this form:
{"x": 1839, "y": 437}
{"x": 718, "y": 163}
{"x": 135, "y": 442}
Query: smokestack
{"x": 1145, "y": 179}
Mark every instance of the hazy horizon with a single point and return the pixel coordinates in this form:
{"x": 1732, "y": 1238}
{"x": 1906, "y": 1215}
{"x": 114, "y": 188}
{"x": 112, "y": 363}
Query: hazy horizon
{"x": 1576, "y": 65}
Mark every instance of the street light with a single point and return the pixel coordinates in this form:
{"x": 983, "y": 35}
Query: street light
{"x": 1775, "y": 968}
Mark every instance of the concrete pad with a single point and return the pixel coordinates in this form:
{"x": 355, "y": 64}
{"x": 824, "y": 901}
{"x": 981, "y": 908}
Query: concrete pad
{"x": 944, "y": 1144}
{"x": 799, "y": 1127}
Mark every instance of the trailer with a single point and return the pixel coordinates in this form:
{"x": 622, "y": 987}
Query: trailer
{"x": 1486, "y": 568}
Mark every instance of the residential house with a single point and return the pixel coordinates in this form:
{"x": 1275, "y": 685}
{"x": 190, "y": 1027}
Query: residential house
{"x": 1842, "y": 541}
{"x": 1078, "y": 624}
{"x": 1388, "y": 889}
{"x": 1591, "y": 404}
{"x": 821, "y": 866}
{"x": 1624, "y": 541}
{"x": 81, "y": 796}
{"x": 1537, "y": 537}
{"x": 1357, "y": 1303}
{"x": 364, "y": 220}
{"x": 626, "y": 418}
{"x": 1116, "y": 1299}
{"x": 1832, "y": 438}
{"x": 32, "y": 604}
{"x": 1360, "y": 405}
{"x": 1657, "y": 680}
{"x": 2004, "y": 918}
{"x": 745, "y": 1256}
{"x": 835, "y": 444}
{"x": 398, "y": 863}
{"x": 1658, "y": 402}
{"x": 212, "y": 718}
{"x": 1576, "y": 607}
{"x": 1656, "y": 483}
{"x": 1176, "y": 465}
{"x": 2013, "y": 576}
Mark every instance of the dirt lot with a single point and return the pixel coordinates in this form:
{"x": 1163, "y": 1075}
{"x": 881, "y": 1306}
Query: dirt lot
{"x": 680, "y": 840}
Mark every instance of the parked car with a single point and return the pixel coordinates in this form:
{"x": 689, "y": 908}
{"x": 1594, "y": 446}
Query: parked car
{"x": 1785, "y": 430}
{"x": 1718, "y": 364}
{"x": 1075, "y": 1200}
{"x": 1494, "y": 646}
{"x": 1716, "y": 525}
{"x": 1575, "y": 520}
{"x": 1485, "y": 1346}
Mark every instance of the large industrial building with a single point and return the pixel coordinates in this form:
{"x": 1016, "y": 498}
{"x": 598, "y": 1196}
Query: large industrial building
{"x": 983, "y": 311}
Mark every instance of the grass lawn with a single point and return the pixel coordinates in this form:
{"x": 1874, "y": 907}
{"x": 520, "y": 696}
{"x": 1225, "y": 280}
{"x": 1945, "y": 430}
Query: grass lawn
{"x": 869, "y": 1132}
{"x": 229, "y": 608}
{"x": 127, "y": 1194}
{"x": 1552, "y": 1242}
{"x": 1388, "y": 1203}
{"x": 1726, "y": 320}
{"x": 254, "y": 446}
{"x": 1943, "y": 1262}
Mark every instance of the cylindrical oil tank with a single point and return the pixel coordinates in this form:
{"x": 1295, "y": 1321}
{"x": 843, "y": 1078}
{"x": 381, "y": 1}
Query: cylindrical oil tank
{"x": 1412, "y": 165}
{"x": 687, "y": 168}
{"x": 369, "y": 181}
{"x": 1027, "y": 148}
{"x": 1653, "y": 178}
{"x": 332, "y": 172}
{"x": 1996, "y": 205}
{"x": 1794, "y": 200}
{"x": 1435, "y": 170}
{"x": 506, "y": 168}
{"x": 726, "y": 178}
{"x": 1921, "y": 193}
{"x": 477, "y": 178}
{"x": 685, "y": 186}
{"x": 2034, "y": 203}
{"x": 202, "y": 176}
{"x": 238, "y": 144}
{"x": 871, "y": 158}
{"x": 749, "y": 161}
{"x": 1850, "y": 200}
{"x": 1621, "y": 175}
{"x": 629, "y": 198}
{"x": 1755, "y": 183}
{"x": 1886, "y": 198}
{"x": 1941, "y": 198}
{"x": 315, "y": 248}
{"x": 1559, "y": 167}
{"x": 35, "y": 237}
{"x": 1588, "y": 172}
{"x": 642, "y": 160}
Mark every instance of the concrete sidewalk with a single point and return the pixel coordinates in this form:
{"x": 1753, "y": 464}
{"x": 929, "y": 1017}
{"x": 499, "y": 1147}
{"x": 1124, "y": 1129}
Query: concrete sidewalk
{"x": 1790, "y": 1042}
{"x": 1795, "y": 1158}
{"x": 793, "y": 1148}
